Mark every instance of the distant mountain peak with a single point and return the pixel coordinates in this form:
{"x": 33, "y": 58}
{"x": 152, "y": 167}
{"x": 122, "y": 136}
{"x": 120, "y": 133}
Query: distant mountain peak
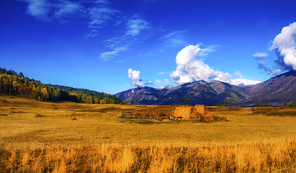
{"x": 211, "y": 93}
{"x": 165, "y": 87}
{"x": 189, "y": 83}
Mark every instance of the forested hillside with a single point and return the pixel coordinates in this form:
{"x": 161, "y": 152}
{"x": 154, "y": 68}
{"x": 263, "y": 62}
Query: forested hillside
{"x": 12, "y": 83}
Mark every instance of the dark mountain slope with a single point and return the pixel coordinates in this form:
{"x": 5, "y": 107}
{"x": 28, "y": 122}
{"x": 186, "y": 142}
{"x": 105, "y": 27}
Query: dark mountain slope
{"x": 143, "y": 96}
{"x": 273, "y": 90}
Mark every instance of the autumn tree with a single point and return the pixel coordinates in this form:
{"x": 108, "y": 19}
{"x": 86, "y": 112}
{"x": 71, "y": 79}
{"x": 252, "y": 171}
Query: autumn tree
{"x": 285, "y": 102}
{"x": 187, "y": 101}
{"x": 12, "y": 83}
{"x": 230, "y": 102}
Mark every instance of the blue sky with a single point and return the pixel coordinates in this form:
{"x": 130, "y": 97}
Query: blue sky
{"x": 114, "y": 45}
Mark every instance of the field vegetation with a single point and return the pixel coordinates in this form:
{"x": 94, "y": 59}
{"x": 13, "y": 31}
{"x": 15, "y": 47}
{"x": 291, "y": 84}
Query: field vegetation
{"x": 75, "y": 137}
{"x": 275, "y": 111}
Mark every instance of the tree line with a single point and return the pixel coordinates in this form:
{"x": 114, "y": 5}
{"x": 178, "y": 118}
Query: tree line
{"x": 13, "y": 83}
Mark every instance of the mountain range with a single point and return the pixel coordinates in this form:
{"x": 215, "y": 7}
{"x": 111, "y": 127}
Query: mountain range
{"x": 272, "y": 91}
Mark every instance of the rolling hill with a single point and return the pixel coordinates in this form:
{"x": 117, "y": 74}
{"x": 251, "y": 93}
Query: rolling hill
{"x": 12, "y": 83}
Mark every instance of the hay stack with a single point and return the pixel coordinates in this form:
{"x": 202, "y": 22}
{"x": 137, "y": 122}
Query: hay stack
{"x": 190, "y": 112}
{"x": 200, "y": 109}
{"x": 185, "y": 112}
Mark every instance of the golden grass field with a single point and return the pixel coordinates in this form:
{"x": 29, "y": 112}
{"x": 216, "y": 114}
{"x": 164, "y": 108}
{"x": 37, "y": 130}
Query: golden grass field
{"x": 72, "y": 137}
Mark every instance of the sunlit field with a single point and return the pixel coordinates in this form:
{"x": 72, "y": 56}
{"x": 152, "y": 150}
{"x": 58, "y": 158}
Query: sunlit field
{"x": 71, "y": 137}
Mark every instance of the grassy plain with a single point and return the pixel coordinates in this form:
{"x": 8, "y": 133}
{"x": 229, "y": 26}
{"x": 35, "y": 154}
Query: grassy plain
{"x": 71, "y": 137}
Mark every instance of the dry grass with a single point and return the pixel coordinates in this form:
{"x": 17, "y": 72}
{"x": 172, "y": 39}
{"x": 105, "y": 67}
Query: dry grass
{"x": 147, "y": 112}
{"x": 274, "y": 111}
{"x": 99, "y": 141}
{"x": 275, "y": 156}
{"x": 222, "y": 108}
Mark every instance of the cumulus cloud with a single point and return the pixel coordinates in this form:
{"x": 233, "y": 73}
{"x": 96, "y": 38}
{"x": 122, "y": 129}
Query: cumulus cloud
{"x": 134, "y": 26}
{"x": 135, "y": 79}
{"x": 190, "y": 69}
{"x": 284, "y": 43}
{"x": 260, "y": 55}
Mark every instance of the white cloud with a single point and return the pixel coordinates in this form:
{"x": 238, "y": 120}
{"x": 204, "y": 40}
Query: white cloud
{"x": 175, "y": 39}
{"x": 238, "y": 73}
{"x": 285, "y": 44}
{"x": 260, "y": 55}
{"x": 121, "y": 61}
{"x": 162, "y": 82}
{"x": 275, "y": 72}
{"x": 67, "y": 9}
{"x": 93, "y": 33}
{"x": 174, "y": 34}
{"x": 158, "y": 81}
{"x": 99, "y": 15}
{"x": 47, "y": 10}
{"x": 262, "y": 66}
{"x": 190, "y": 69}
{"x": 135, "y": 26}
{"x": 39, "y": 9}
{"x": 107, "y": 55}
{"x": 243, "y": 82}
{"x": 135, "y": 79}
{"x": 101, "y": 1}
{"x": 162, "y": 73}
